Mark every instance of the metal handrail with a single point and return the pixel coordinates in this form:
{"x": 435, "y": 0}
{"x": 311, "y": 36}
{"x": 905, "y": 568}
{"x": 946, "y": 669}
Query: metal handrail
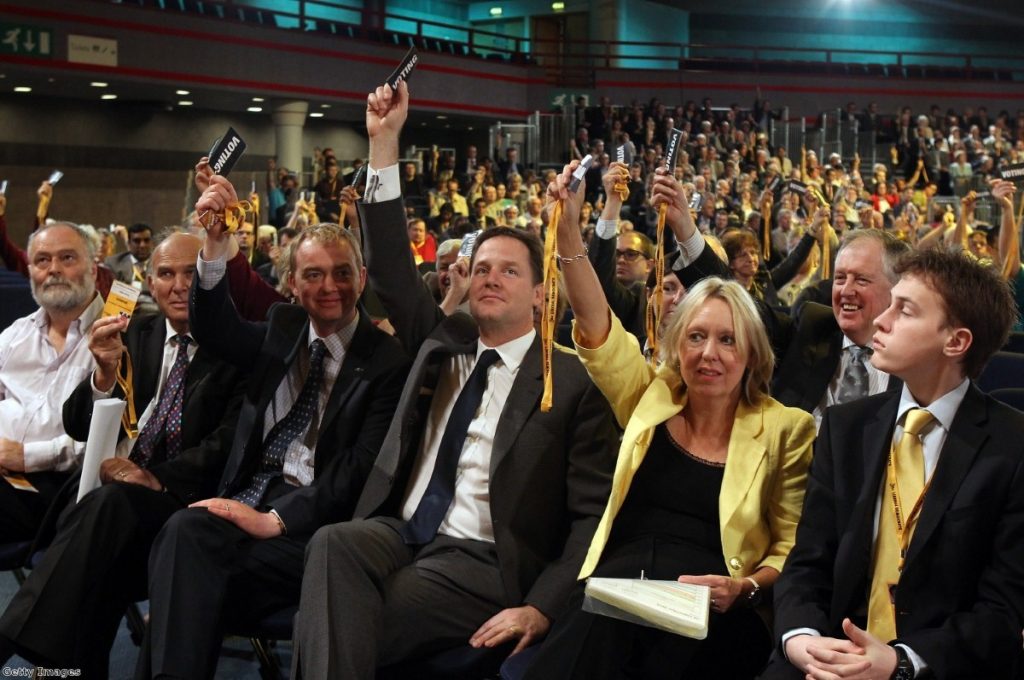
{"x": 603, "y": 53}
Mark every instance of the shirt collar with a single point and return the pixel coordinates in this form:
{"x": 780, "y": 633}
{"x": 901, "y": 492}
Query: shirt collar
{"x": 337, "y": 343}
{"x": 942, "y": 409}
{"x": 512, "y": 352}
{"x": 170, "y": 333}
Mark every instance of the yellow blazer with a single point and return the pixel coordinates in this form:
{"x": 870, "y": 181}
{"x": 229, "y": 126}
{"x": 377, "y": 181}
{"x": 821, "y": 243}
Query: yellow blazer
{"x": 765, "y": 472}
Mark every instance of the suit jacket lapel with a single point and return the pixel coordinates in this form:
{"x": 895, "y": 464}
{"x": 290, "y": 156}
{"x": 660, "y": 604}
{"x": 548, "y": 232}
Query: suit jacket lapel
{"x": 965, "y": 438}
{"x": 877, "y": 440}
{"x": 522, "y": 399}
{"x": 152, "y": 345}
{"x": 352, "y": 368}
{"x": 746, "y": 455}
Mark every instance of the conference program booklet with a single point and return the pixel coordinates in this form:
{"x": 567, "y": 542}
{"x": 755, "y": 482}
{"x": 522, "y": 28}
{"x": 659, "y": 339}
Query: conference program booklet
{"x": 675, "y": 607}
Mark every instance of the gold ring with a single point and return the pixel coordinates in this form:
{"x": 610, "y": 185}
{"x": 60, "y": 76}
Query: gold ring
{"x": 513, "y": 630}
{"x": 227, "y": 507}
{"x": 122, "y": 474}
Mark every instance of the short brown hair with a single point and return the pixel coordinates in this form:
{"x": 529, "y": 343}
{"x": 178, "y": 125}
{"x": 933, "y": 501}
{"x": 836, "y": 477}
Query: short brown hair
{"x": 738, "y": 240}
{"x": 528, "y": 239}
{"x": 325, "y": 233}
{"x": 973, "y": 296}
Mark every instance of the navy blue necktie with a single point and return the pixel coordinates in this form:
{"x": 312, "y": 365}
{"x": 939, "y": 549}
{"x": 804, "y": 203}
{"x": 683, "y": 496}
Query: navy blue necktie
{"x": 287, "y": 429}
{"x": 164, "y": 425}
{"x": 422, "y": 526}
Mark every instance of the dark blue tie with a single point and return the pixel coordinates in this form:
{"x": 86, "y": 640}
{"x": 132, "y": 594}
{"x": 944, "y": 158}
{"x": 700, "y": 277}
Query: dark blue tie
{"x": 422, "y": 526}
{"x": 287, "y": 429}
{"x": 164, "y": 426}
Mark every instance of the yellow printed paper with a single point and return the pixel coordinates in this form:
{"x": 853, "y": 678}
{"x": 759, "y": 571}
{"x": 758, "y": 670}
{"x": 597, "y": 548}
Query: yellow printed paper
{"x": 121, "y": 300}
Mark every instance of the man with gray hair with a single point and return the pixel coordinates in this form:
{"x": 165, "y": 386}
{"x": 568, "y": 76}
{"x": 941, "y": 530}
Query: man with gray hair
{"x": 826, "y": 362}
{"x": 43, "y": 357}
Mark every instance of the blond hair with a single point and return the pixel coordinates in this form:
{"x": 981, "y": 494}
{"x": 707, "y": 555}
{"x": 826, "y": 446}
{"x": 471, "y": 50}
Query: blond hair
{"x": 748, "y": 328}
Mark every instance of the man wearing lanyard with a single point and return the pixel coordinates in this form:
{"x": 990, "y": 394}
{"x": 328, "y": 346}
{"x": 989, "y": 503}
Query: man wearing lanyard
{"x": 908, "y": 560}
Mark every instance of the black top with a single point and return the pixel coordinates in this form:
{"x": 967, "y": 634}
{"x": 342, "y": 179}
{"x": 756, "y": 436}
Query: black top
{"x": 674, "y": 496}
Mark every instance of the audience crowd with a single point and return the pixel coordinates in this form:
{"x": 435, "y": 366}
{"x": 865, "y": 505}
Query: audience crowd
{"x": 778, "y": 403}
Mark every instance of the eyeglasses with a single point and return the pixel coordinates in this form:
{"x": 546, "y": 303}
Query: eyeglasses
{"x": 629, "y": 255}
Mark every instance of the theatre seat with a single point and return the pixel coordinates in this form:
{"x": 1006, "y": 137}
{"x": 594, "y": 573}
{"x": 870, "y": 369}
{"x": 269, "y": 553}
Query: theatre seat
{"x": 1004, "y": 369}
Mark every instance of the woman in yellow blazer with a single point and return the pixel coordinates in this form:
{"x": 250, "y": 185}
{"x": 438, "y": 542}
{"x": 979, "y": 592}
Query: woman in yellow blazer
{"x": 709, "y": 481}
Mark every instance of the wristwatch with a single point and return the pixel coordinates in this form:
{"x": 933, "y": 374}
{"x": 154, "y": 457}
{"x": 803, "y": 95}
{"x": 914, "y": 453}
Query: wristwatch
{"x": 904, "y": 666}
{"x": 754, "y": 598}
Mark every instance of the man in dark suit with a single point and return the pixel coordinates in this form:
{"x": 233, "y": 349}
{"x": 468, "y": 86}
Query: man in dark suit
{"x": 130, "y": 267}
{"x": 67, "y": 612}
{"x": 915, "y": 501}
{"x": 323, "y": 384}
{"x": 825, "y": 360}
{"x": 475, "y": 518}
{"x": 624, "y": 261}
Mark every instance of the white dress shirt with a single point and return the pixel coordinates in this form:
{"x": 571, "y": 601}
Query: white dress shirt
{"x": 35, "y": 381}
{"x": 125, "y": 446}
{"x": 469, "y": 515}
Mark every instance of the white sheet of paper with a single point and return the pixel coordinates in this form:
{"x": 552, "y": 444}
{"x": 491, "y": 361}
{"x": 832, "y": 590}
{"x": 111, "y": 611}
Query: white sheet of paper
{"x": 102, "y": 441}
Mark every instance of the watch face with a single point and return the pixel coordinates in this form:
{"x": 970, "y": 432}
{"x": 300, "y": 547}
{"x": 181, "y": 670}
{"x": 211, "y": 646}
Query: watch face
{"x": 903, "y": 674}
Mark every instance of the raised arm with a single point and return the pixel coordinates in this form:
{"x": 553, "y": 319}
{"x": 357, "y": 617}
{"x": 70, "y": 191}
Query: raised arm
{"x": 582, "y": 287}
{"x": 389, "y": 263}
{"x": 1009, "y": 237}
{"x": 14, "y": 257}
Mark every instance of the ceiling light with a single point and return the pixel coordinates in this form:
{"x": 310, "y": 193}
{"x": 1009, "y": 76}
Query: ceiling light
{"x": 316, "y": 114}
{"x": 108, "y": 96}
{"x": 442, "y": 117}
{"x": 182, "y": 93}
{"x": 558, "y": 6}
{"x": 257, "y": 99}
{"x": 184, "y": 102}
{"x": 325, "y": 106}
{"x": 97, "y": 83}
{"x": 255, "y": 109}
{"x": 22, "y": 89}
{"x": 495, "y": 11}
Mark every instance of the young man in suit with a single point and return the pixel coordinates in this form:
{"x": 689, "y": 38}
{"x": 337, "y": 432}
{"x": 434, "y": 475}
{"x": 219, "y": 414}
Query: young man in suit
{"x": 323, "y": 384}
{"x": 826, "y": 361}
{"x": 476, "y": 516}
{"x": 908, "y": 560}
{"x": 67, "y": 612}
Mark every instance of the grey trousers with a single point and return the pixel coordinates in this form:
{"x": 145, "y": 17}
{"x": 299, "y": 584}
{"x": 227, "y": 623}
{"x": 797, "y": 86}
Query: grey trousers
{"x": 370, "y": 600}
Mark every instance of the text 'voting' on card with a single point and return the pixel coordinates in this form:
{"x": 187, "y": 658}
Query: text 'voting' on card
{"x": 121, "y": 300}
{"x": 226, "y": 151}
{"x": 404, "y": 69}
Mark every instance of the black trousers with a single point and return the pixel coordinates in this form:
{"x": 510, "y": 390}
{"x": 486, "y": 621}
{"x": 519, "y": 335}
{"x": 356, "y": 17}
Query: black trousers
{"x": 206, "y": 575}
{"x": 21, "y": 512}
{"x": 67, "y": 612}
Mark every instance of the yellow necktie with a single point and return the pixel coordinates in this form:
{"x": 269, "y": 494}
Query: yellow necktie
{"x": 907, "y": 457}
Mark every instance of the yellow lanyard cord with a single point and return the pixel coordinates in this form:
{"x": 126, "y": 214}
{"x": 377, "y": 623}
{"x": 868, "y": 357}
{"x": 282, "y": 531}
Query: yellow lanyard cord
{"x": 232, "y": 217}
{"x": 549, "y": 317}
{"x": 654, "y": 308}
{"x": 124, "y": 378}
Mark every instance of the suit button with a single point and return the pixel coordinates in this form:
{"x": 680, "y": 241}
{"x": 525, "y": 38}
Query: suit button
{"x": 735, "y": 563}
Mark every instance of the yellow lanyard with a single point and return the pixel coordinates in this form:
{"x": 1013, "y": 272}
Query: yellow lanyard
{"x": 124, "y": 378}
{"x": 904, "y": 524}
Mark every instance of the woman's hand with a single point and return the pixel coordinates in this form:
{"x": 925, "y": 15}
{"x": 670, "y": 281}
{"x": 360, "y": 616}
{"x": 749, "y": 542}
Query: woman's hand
{"x": 725, "y": 591}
